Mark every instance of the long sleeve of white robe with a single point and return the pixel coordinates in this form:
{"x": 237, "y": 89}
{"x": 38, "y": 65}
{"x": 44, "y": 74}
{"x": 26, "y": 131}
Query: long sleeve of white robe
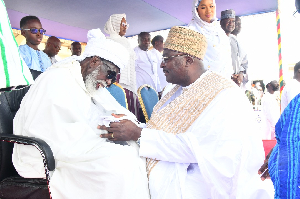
{"x": 56, "y": 110}
{"x": 223, "y": 141}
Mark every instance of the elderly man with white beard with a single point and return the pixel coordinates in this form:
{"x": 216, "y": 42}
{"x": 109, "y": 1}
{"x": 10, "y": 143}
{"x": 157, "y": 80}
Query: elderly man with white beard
{"x": 63, "y": 108}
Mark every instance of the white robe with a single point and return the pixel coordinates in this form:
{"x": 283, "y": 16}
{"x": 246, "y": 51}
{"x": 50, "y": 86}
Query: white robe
{"x": 217, "y": 157}
{"x": 57, "y": 109}
{"x": 270, "y": 115}
{"x": 218, "y": 53}
{"x": 146, "y": 65}
{"x": 290, "y": 91}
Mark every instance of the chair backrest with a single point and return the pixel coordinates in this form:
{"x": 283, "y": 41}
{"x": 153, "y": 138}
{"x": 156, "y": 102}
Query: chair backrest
{"x": 119, "y": 94}
{"x": 148, "y": 98}
{"x": 9, "y": 105}
{"x": 268, "y": 145}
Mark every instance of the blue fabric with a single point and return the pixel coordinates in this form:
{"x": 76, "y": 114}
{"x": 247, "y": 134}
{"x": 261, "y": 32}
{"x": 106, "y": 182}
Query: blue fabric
{"x": 35, "y": 59}
{"x": 284, "y": 167}
{"x": 118, "y": 94}
{"x": 150, "y": 99}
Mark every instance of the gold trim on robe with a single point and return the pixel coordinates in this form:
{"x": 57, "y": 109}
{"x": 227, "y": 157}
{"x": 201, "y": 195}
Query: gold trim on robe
{"x": 182, "y": 112}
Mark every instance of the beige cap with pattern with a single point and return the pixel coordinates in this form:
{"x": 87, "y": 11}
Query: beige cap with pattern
{"x": 183, "y": 39}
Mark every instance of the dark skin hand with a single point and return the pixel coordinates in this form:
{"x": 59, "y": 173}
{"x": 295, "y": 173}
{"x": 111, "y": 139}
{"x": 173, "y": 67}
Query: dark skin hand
{"x": 124, "y": 130}
{"x": 238, "y": 78}
{"x": 264, "y": 168}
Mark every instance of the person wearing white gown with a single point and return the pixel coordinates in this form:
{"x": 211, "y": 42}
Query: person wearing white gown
{"x": 218, "y": 53}
{"x": 63, "y": 108}
{"x": 196, "y": 146}
{"x": 270, "y": 111}
{"x": 116, "y": 27}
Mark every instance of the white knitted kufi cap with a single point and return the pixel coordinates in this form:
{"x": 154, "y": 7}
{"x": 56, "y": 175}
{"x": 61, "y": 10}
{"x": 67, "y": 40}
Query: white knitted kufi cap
{"x": 108, "y": 49}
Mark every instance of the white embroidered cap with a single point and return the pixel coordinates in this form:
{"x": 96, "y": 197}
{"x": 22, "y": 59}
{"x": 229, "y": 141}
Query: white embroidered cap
{"x": 108, "y": 49}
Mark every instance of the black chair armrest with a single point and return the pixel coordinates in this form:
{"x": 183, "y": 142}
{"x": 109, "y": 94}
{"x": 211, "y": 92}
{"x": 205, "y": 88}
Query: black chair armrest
{"x": 41, "y": 145}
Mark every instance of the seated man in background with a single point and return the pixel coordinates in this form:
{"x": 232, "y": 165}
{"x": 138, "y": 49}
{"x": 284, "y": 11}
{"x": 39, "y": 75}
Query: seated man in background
{"x": 32, "y": 30}
{"x": 63, "y": 108}
{"x": 52, "y": 48}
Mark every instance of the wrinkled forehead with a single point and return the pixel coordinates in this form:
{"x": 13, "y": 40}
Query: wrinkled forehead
{"x": 110, "y": 66}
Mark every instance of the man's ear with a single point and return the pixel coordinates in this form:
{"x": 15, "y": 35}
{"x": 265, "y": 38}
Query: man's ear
{"x": 189, "y": 60}
{"x": 23, "y": 32}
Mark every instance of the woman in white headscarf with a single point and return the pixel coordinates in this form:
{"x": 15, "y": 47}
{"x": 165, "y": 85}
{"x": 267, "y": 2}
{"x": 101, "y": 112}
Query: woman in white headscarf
{"x": 116, "y": 27}
{"x": 218, "y": 53}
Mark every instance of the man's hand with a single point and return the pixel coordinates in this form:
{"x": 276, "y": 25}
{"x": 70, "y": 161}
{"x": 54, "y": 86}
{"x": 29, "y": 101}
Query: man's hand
{"x": 238, "y": 78}
{"x": 124, "y": 130}
{"x": 264, "y": 168}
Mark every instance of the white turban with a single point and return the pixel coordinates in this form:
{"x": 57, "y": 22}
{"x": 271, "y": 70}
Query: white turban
{"x": 110, "y": 50}
{"x": 112, "y": 26}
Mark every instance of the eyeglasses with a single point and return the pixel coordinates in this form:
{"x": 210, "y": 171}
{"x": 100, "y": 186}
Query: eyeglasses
{"x": 35, "y": 30}
{"x": 165, "y": 59}
{"x": 125, "y": 24}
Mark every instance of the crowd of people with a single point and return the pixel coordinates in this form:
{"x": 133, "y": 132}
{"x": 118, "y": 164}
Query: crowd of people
{"x": 194, "y": 145}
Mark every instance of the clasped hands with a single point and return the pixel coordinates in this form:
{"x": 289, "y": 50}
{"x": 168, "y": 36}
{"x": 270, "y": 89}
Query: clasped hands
{"x": 124, "y": 130}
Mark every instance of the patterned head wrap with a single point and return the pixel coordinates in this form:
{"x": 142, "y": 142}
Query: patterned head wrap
{"x": 112, "y": 26}
{"x": 228, "y": 14}
{"x": 188, "y": 41}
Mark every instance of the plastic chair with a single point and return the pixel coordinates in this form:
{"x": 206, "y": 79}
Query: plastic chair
{"x": 119, "y": 94}
{"x": 11, "y": 184}
{"x": 268, "y": 145}
{"x": 148, "y": 98}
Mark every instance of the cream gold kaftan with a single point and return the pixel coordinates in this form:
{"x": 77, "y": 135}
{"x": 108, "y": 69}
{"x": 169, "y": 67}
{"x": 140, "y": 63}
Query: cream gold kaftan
{"x": 214, "y": 154}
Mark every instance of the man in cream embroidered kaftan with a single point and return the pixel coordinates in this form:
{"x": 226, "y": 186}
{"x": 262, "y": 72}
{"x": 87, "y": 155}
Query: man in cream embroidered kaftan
{"x": 65, "y": 114}
{"x": 196, "y": 146}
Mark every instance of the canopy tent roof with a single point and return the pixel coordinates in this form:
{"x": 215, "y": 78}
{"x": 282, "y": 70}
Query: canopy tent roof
{"x": 71, "y": 19}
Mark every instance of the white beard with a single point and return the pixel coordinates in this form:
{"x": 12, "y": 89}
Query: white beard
{"x": 91, "y": 82}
